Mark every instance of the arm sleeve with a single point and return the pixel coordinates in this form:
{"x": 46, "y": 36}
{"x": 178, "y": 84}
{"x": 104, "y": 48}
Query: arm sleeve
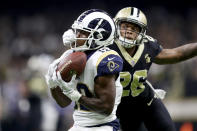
{"x": 111, "y": 64}
{"x": 155, "y": 48}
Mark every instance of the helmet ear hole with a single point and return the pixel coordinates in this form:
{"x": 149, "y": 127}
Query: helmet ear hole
{"x": 105, "y": 35}
{"x": 101, "y": 34}
{"x": 97, "y": 35}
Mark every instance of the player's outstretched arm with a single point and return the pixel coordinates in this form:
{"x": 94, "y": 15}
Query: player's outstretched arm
{"x": 175, "y": 55}
{"x": 105, "y": 92}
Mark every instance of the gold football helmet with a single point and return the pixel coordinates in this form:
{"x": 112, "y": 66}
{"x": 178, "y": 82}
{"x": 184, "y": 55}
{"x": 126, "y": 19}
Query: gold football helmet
{"x": 135, "y": 16}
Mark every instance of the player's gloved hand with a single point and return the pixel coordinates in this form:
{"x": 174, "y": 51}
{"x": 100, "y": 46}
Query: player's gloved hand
{"x": 69, "y": 88}
{"x": 49, "y": 77}
{"x": 159, "y": 93}
{"x": 68, "y": 37}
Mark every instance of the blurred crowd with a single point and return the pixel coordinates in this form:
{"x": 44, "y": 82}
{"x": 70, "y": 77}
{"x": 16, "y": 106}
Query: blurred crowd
{"x": 29, "y": 43}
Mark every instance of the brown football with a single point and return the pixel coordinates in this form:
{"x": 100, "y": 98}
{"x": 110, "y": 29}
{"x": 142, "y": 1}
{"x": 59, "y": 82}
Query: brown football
{"x": 74, "y": 63}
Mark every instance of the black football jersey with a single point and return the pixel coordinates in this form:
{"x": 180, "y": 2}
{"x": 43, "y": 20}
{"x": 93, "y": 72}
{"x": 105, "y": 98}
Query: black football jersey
{"x": 138, "y": 110}
{"x": 135, "y": 71}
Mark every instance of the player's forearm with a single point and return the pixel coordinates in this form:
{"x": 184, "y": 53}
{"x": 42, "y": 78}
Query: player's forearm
{"x": 59, "y": 97}
{"x": 97, "y": 105}
{"x": 187, "y": 51}
{"x": 171, "y": 56}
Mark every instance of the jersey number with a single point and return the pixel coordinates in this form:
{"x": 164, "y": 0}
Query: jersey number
{"x": 136, "y": 86}
{"x": 83, "y": 89}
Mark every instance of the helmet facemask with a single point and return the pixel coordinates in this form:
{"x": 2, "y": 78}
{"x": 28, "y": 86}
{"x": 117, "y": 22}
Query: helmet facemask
{"x": 134, "y": 16}
{"x": 128, "y": 43}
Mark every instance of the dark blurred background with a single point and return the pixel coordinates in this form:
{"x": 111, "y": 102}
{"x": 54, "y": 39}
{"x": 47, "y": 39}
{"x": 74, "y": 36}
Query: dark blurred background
{"x": 31, "y": 37}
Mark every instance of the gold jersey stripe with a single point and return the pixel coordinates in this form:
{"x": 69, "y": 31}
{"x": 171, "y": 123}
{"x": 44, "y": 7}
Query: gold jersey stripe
{"x": 106, "y": 54}
{"x": 131, "y": 60}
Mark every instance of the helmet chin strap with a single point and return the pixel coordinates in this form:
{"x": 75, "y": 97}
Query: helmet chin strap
{"x": 139, "y": 38}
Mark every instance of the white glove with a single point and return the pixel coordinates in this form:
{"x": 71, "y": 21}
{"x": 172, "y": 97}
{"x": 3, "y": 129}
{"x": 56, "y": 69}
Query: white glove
{"x": 159, "y": 93}
{"x": 50, "y": 76}
{"x": 68, "y": 37}
{"x": 69, "y": 88}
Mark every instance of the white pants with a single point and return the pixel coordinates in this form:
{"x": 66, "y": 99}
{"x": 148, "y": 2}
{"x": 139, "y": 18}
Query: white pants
{"x": 102, "y": 128}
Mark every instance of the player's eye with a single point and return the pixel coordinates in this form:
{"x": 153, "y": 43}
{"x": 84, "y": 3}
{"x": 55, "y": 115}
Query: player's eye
{"x": 82, "y": 32}
{"x": 134, "y": 29}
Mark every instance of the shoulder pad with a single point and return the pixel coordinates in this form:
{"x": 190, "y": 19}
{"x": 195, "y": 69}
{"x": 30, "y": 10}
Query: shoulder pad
{"x": 109, "y": 63}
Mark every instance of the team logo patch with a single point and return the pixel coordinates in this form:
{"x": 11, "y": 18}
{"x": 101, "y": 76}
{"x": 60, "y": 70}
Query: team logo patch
{"x": 148, "y": 58}
{"x": 112, "y": 66}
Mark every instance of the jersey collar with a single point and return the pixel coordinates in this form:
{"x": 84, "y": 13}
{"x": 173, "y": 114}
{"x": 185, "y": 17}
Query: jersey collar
{"x": 131, "y": 60}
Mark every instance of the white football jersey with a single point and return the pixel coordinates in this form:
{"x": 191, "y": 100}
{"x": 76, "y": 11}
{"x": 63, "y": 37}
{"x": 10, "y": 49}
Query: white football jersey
{"x": 100, "y": 62}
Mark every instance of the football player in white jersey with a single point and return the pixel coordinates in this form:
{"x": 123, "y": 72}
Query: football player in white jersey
{"x": 97, "y": 92}
{"x": 139, "y": 101}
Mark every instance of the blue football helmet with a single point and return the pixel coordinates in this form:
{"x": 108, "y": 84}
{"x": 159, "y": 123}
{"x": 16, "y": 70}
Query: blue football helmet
{"x": 99, "y": 25}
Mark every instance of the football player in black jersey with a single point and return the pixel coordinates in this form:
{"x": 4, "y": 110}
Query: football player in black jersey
{"x": 140, "y": 103}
